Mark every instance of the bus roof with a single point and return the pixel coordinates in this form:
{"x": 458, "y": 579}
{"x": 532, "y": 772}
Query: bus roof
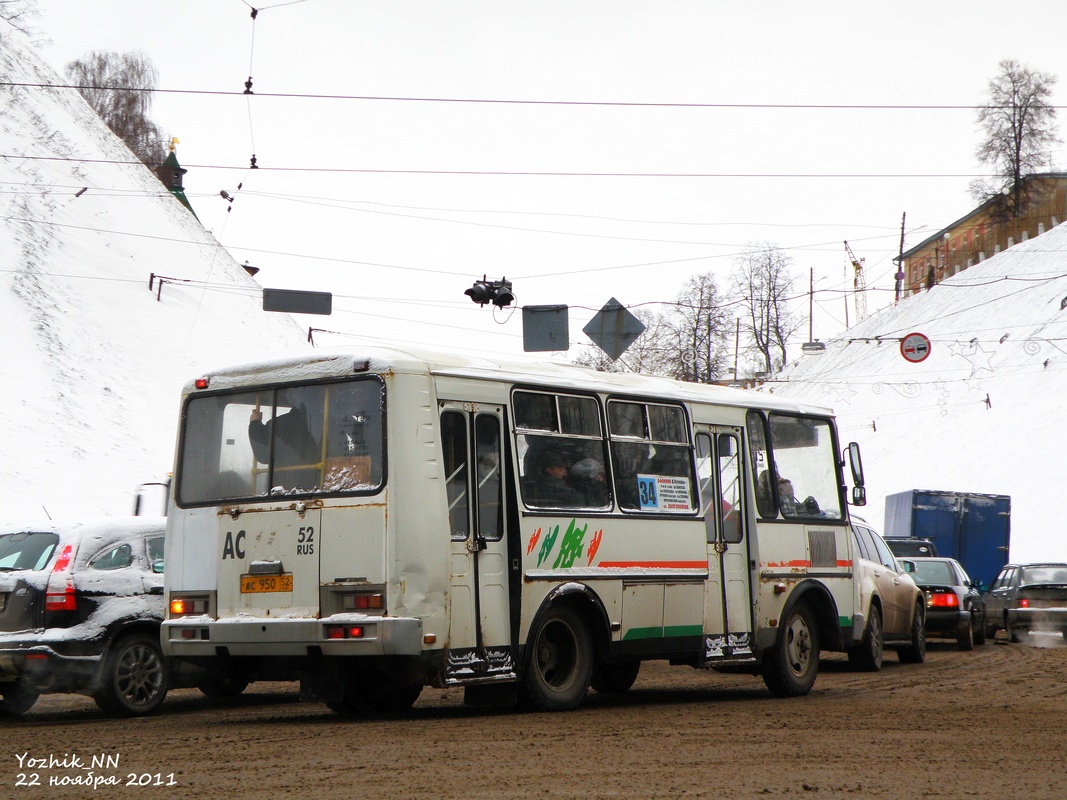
{"x": 323, "y": 363}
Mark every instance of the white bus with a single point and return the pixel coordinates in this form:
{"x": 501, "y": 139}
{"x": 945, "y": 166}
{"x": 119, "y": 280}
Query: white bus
{"x": 373, "y": 523}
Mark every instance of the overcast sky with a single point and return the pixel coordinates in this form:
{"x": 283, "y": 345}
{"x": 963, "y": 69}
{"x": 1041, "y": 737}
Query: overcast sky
{"x": 407, "y": 158}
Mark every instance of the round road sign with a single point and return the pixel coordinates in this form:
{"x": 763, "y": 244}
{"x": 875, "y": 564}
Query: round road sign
{"x": 915, "y": 347}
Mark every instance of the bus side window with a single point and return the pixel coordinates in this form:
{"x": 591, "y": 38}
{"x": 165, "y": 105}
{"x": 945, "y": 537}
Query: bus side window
{"x": 487, "y": 447}
{"x": 454, "y": 451}
{"x": 761, "y": 465}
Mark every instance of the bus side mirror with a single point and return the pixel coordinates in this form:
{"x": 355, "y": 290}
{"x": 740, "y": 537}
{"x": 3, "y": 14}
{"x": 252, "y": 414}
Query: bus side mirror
{"x": 856, "y": 463}
{"x": 859, "y": 496}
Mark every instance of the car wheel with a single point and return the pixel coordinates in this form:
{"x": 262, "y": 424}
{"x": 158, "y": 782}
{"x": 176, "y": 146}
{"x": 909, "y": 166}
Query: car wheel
{"x": 965, "y": 640}
{"x": 1014, "y": 634}
{"x": 615, "y": 678}
{"x": 135, "y": 678}
{"x": 915, "y": 653}
{"x": 980, "y": 630}
{"x": 16, "y": 699}
{"x": 560, "y": 663}
{"x": 867, "y": 655}
{"x": 791, "y": 668}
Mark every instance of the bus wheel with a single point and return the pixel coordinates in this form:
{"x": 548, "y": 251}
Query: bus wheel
{"x": 16, "y": 699}
{"x": 790, "y": 669}
{"x": 615, "y": 678}
{"x": 392, "y": 695}
{"x": 560, "y": 662}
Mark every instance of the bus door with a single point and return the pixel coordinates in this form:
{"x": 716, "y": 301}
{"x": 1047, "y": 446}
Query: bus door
{"x": 479, "y": 639}
{"x": 728, "y": 606}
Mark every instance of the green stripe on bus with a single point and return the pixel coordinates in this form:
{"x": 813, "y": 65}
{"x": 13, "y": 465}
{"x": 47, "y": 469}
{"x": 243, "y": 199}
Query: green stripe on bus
{"x": 660, "y": 632}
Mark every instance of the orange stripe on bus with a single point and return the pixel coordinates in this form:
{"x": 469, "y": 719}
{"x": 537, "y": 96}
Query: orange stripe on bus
{"x": 656, "y": 564}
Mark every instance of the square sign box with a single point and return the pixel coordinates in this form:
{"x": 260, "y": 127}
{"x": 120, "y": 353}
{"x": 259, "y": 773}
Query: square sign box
{"x": 545, "y": 328}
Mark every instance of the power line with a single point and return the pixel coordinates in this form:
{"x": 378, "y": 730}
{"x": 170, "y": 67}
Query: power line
{"x": 528, "y": 102}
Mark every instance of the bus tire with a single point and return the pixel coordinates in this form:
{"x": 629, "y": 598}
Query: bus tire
{"x": 791, "y": 668}
{"x": 615, "y": 678}
{"x": 219, "y": 687}
{"x": 16, "y": 699}
{"x": 560, "y": 662}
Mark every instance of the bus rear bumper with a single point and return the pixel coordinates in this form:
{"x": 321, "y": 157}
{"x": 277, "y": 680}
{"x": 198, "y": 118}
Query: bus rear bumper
{"x": 338, "y": 635}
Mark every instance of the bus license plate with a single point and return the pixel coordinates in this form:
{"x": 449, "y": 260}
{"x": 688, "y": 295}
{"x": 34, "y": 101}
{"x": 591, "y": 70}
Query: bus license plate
{"x": 266, "y": 583}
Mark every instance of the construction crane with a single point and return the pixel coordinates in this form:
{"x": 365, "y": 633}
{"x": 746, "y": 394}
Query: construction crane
{"x": 859, "y": 284}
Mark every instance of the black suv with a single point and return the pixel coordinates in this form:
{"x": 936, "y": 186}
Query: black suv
{"x": 80, "y": 610}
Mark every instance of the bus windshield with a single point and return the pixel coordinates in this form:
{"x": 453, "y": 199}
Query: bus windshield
{"x": 291, "y": 440}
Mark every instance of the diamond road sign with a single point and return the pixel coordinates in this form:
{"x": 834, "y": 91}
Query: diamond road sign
{"x": 614, "y": 328}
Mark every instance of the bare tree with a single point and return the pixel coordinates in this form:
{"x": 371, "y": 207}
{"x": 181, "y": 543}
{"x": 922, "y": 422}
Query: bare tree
{"x": 1019, "y": 125}
{"x": 19, "y": 13}
{"x": 698, "y": 329}
{"x": 762, "y": 282}
{"x": 119, "y": 88}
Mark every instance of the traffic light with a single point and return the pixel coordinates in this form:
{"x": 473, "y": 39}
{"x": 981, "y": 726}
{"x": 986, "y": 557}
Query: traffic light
{"x": 496, "y": 292}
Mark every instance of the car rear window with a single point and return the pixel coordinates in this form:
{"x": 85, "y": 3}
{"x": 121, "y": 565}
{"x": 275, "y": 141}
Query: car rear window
{"x": 1052, "y": 574}
{"x": 26, "y": 550}
{"x": 933, "y": 572}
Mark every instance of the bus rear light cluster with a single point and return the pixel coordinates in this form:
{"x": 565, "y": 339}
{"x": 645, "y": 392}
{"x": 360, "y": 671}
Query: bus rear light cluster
{"x": 187, "y": 606}
{"x": 344, "y": 631}
{"x": 363, "y": 601}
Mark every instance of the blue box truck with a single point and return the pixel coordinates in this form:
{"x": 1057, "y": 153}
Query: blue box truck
{"x": 974, "y": 529}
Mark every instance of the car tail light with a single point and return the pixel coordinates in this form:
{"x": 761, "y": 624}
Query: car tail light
{"x": 944, "y": 600}
{"x": 59, "y": 593}
{"x": 1024, "y": 602}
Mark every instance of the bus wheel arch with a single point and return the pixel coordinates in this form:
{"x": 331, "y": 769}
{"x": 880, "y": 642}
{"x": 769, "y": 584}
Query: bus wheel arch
{"x": 808, "y": 619}
{"x": 567, "y": 637}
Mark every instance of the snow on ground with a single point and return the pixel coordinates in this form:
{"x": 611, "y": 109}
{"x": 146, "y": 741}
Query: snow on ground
{"x": 93, "y": 361}
{"x": 983, "y": 412}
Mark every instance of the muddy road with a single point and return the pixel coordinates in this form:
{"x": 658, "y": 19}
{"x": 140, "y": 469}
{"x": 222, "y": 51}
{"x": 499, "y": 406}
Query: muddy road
{"x": 990, "y": 723}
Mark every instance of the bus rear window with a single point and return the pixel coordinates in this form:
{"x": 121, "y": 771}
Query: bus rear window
{"x": 294, "y": 440}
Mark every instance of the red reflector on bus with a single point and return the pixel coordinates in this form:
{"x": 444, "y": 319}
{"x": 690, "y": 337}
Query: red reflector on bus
{"x": 200, "y": 383}
{"x": 335, "y": 632}
{"x": 36, "y": 656}
{"x": 355, "y": 632}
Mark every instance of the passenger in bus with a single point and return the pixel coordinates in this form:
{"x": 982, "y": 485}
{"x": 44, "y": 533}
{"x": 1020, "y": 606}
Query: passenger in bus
{"x": 552, "y": 488}
{"x": 293, "y": 444}
{"x": 587, "y": 476}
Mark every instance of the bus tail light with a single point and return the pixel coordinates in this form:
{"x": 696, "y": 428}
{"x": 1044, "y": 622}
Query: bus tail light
{"x": 344, "y": 631}
{"x": 363, "y": 601}
{"x": 187, "y": 606}
{"x": 59, "y": 592}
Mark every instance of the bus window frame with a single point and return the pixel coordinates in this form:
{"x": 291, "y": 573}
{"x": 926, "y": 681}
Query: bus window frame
{"x": 779, "y": 513}
{"x": 273, "y": 387}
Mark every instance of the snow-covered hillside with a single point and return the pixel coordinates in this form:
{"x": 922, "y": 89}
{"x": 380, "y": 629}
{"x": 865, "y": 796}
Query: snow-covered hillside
{"x": 984, "y": 412}
{"x": 93, "y": 362}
